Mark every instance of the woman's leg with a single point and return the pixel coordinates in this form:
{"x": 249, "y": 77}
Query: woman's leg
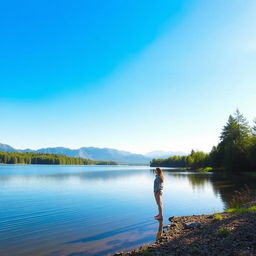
{"x": 160, "y": 204}
{"x": 155, "y": 194}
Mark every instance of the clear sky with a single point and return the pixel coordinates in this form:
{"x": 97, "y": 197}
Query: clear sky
{"x": 132, "y": 75}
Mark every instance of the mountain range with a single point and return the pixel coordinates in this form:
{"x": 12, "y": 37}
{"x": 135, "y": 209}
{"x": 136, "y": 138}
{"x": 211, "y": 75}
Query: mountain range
{"x": 164, "y": 154}
{"x": 94, "y": 153}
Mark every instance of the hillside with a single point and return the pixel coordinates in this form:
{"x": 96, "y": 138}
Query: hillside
{"x": 93, "y": 153}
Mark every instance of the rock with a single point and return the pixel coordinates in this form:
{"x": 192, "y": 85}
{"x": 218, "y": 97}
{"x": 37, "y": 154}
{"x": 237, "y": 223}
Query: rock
{"x": 192, "y": 225}
{"x": 171, "y": 218}
{"x": 169, "y": 226}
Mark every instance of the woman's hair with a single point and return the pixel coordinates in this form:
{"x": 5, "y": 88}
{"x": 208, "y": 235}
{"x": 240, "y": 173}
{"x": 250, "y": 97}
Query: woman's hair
{"x": 159, "y": 171}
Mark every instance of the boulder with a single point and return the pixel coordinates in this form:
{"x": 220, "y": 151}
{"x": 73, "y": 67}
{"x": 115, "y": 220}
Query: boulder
{"x": 192, "y": 225}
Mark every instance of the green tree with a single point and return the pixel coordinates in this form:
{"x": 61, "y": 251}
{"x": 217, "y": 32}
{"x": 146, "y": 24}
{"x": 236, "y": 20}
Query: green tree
{"x": 234, "y": 143}
{"x": 236, "y": 130}
{"x": 13, "y": 160}
{"x": 216, "y": 156}
{"x": 252, "y": 148}
{"x": 254, "y": 128}
{"x": 197, "y": 159}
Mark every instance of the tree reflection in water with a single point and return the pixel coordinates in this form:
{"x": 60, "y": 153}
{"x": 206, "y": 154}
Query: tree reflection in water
{"x": 223, "y": 184}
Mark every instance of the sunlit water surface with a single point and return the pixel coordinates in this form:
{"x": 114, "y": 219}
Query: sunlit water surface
{"x": 97, "y": 210}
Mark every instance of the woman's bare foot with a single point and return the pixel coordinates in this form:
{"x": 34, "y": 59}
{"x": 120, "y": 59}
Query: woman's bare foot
{"x": 158, "y": 217}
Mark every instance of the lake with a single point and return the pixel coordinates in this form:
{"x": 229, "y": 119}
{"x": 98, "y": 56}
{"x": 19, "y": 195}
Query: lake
{"x": 98, "y": 210}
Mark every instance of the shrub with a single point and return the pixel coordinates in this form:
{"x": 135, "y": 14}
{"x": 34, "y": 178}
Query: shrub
{"x": 223, "y": 232}
{"x": 217, "y": 216}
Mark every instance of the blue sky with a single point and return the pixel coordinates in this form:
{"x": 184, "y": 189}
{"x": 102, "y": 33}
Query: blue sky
{"x": 132, "y": 75}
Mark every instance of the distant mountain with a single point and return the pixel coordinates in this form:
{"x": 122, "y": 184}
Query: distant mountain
{"x": 6, "y": 148}
{"x": 164, "y": 154}
{"x": 93, "y": 153}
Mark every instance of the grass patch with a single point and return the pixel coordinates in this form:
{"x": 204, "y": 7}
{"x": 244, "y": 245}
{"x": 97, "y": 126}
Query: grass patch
{"x": 217, "y": 216}
{"x": 194, "y": 250}
{"x": 205, "y": 169}
{"x": 146, "y": 253}
{"x": 223, "y": 232}
{"x": 240, "y": 210}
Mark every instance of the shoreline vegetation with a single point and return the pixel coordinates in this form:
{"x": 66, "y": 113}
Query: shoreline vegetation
{"x": 43, "y": 158}
{"x": 236, "y": 151}
{"x": 229, "y": 233}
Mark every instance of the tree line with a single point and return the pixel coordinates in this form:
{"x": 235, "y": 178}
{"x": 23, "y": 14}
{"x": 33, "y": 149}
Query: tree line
{"x": 236, "y": 150}
{"x": 44, "y": 158}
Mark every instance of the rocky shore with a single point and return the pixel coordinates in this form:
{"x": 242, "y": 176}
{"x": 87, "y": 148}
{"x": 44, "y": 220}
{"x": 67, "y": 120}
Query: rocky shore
{"x": 222, "y": 234}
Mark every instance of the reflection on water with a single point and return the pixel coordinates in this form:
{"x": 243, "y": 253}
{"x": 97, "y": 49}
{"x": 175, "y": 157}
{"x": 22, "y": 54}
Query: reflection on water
{"x": 160, "y": 230}
{"x": 97, "y": 210}
{"x": 222, "y": 184}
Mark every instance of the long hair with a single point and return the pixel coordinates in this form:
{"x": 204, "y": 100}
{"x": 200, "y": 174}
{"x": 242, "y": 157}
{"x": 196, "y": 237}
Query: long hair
{"x": 159, "y": 171}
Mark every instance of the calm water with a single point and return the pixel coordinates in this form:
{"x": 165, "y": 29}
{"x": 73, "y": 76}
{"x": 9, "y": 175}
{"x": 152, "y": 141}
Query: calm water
{"x": 97, "y": 210}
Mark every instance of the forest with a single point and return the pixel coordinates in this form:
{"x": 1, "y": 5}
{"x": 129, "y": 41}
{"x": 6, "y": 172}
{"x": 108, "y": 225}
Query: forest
{"x": 236, "y": 150}
{"x": 43, "y": 158}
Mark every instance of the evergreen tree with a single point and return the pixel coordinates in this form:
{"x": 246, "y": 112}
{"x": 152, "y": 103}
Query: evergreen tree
{"x": 234, "y": 143}
{"x": 236, "y": 130}
{"x": 216, "y": 156}
{"x": 252, "y": 147}
{"x": 254, "y": 128}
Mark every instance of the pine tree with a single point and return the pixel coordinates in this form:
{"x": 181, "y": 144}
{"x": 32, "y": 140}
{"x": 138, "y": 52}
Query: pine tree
{"x": 254, "y": 128}
{"x": 234, "y": 142}
{"x": 236, "y": 130}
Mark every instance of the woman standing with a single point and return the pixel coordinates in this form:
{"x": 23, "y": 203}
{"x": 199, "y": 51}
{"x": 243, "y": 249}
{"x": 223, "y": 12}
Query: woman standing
{"x": 158, "y": 191}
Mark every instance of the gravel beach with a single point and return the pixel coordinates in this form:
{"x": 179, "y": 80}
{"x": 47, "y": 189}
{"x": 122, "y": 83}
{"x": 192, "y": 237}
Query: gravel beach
{"x": 227, "y": 234}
